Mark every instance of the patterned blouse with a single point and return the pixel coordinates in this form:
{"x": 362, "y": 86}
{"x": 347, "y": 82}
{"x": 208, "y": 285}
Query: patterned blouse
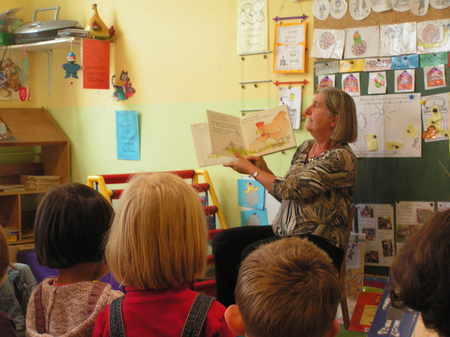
{"x": 316, "y": 194}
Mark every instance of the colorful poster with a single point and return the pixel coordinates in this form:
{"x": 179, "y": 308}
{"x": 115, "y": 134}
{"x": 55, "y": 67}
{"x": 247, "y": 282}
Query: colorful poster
{"x": 362, "y": 42}
{"x": 404, "y": 80}
{"x": 435, "y": 114}
{"x": 350, "y": 84}
{"x": 292, "y": 98}
{"x": 377, "y": 83}
{"x": 128, "y": 137}
{"x": 95, "y": 64}
{"x": 251, "y": 194}
{"x": 398, "y": 39}
{"x": 434, "y": 59}
{"x": 326, "y": 81}
{"x": 433, "y": 36}
{"x": 252, "y": 26}
{"x": 377, "y": 64}
{"x": 405, "y": 62}
{"x": 254, "y": 217}
{"x": 434, "y": 77}
{"x": 14, "y": 72}
{"x": 328, "y": 43}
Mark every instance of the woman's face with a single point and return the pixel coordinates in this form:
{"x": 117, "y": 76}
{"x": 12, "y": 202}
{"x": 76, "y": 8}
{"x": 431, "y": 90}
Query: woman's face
{"x": 321, "y": 121}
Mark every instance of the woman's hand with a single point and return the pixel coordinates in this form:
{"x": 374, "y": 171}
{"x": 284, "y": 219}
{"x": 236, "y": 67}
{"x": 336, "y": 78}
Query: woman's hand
{"x": 241, "y": 165}
{"x": 259, "y": 162}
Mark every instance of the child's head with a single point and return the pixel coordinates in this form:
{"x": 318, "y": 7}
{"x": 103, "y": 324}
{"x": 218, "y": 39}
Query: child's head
{"x": 158, "y": 239}
{"x": 4, "y": 255}
{"x": 286, "y": 288}
{"x": 70, "y": 226}
{"x": 421, "y": 273}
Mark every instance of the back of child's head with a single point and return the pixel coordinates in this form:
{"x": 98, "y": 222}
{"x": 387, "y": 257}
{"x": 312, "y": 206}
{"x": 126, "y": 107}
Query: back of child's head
{"x": 287, "y": 288}
{"x": 70, "y": 226}
{"x": 158, "y": 238}
{"x": 421, "y": 273}
{"x": 4, "y": 254}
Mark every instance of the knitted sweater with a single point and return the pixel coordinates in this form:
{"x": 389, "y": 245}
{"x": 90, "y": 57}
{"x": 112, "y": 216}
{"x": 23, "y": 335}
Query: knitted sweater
{"x": 67, "y": 310}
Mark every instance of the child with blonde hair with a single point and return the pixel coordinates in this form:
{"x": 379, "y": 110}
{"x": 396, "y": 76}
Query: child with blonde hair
{"x": 70, "y": 226}
{"x": 156, "y": 248}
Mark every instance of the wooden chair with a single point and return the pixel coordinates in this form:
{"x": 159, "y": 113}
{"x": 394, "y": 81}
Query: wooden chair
{"x": 342, "y": 272}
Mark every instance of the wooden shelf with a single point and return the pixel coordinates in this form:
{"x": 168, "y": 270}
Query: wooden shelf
{"x": 58, "y": 43}
{"x": 21, "y": 192}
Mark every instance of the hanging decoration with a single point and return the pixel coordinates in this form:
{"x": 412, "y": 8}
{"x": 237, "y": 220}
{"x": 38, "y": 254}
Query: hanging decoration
{"x": 71, "y": 68}
{"x": 123, "y": 89}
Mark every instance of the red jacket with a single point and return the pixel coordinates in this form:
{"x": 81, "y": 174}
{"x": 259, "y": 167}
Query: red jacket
{"x": 161, "y": 314}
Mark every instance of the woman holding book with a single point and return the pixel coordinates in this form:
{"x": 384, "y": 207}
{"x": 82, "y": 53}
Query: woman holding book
{"x": 315, "y": 194}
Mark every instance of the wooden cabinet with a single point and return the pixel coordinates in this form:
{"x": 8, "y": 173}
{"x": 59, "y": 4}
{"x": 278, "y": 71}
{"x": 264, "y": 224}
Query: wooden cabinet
{"x": 38, "y": 147}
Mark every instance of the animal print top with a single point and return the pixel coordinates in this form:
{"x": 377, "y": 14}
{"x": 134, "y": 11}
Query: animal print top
{"x": 316, "y": 194}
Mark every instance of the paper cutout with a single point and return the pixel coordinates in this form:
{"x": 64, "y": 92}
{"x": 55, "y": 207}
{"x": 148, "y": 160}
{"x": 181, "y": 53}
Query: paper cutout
{"x": 350, "y": 84}
{"x": 398, "y": 39}
{"x": 433, "y": 36}
{"x": 360, "y": 9}
{"x": 123, "y": 89}
{"x": 400, "y": 5}
{"x": 328, "y": 43}
{"x": 419, "y": 7}
{"x": 347, "y": 66}
{"x": 434, "y": 77}
{"x": 251, "y": 194}
{"x": 404, "y": 80}
{"x": 326, "y": 81}
{"x": 372, "y": 142}
{"x": 323, "y": 68}
{"x": 252, "y": 27}
{"x": 377, "y": 83}
{"x": 428, "y": 60}
{"x": 440, "y": 4}
{"x": 95, "y": 56}
{"x": 321, "y": 9}
{"x": 389, "y": 117}
{"x": 405, "y": 62}
{"x": 254, "y": 217}
{"x": 338, "y": 8}
{"x": 375, "y": 64}
{"x": 362, "y": 42}
{"x": 128, "y": 137}
{"x": 292, "y": 98}
{"x": 381, "y": 5}
{"x": 435, "y": 115}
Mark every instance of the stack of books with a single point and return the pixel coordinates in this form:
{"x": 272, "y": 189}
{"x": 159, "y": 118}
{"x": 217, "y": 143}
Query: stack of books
{"x": 39, "y": 183}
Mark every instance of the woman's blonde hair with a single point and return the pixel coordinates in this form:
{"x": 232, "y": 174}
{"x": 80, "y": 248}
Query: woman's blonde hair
{"x": 341, "y": 104}
{"x": 4, "y": 254}
{"x": 158, "y": 239}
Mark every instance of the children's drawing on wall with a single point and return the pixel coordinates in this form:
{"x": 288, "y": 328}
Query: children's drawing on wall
{"x": 14, "y": 77}
{"x": 434, "y": 59}
{"x": 252, "y": 28}
{"x": 338, "y": 8}
{"x": 381, "y": 5}
{"x": 362, "y": 42}
{"x": 435, "y": 114}
{"x": 321, "y": 9}
{"x": 405, "y": 62}
{"x": 292, "y": 98}
{"x": 419, "y": 7}
{"x": 350, "y": 84}
{"x": 398, "y": 39}
{"x": 439, "y": 4}
{"x": 377, "y": 64}
{"x": 377, "y": 83}
{"x": 123, "y": 89}
{"x": 433, "y": 36}
{"x": 404, "y": 80}
{"x": 400, "y": 5}
{"x": 350, "y": 66}
{"x": 434, "y": 77}
{"x": 328, "y": 43}
{"x": 326, "y": 81}
{"x": 359, "y": 9}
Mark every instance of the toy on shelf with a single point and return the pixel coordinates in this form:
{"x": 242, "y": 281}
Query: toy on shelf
{"x": 96, "y": 27}
{"x": 71, "y": 68}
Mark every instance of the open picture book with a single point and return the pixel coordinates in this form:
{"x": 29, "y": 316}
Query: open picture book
{"x": 257, "y": 134}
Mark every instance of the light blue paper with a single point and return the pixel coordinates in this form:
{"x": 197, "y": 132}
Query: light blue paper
{"x": 128, "y": 137}
{"x": 435, "y": 59}
{"x": 405, "y": 62}
{"x": 251, "y": 194}
{"x": 254, "y": 217}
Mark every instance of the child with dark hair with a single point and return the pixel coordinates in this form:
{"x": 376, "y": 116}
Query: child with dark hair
{"x": 421, "y": 273}
{"x": 70, "y": 225}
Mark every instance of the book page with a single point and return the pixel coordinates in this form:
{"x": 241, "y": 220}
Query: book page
{"x": 203, "y": 147}
{"x": 226, "y": 134}
{"x": 268, "y": 131}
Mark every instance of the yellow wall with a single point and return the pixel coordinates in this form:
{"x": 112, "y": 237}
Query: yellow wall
{"x": 181, "y": 58}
